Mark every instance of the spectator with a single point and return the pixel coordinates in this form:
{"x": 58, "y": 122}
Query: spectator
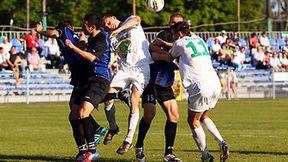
{"x": 3, "y": 59}
{"x": 53, "y": 52}
{"x": 239, "y": 58}
{"x": 284, "y": 60}
{"x": 6, "y": 44}
{"x": 16, "y": 61}
{"x": 261, "y": 59}
{"x": 32, "y": 41}
{"x": 253, "y": 43}
{"x": 275, "y": 62}
{"x": 235, "y": 39}
{"x": 216, "y": 49}
{"x": 264, "y": 41}
{"x": 222, "y": 37}
{"x": 34, "y": 61}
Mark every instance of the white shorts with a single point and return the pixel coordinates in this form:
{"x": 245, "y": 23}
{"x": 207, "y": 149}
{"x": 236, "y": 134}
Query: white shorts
{"x": 203, "y": 96}
{"x": 138, "y": 76}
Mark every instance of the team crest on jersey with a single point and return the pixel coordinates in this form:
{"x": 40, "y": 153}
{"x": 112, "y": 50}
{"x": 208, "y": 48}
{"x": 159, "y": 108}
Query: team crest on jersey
{"x": 121, "y": 44}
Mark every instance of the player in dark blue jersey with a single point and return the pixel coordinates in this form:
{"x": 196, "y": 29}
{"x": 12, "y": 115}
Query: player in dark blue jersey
{"x": 97, "y": 53}
{"x": 79, "y": 68}
{"x": 160, "y": 89}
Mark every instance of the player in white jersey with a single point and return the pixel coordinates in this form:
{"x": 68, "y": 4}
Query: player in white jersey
{"x": 202, "y": 83}
{"x": 129, "y": 42}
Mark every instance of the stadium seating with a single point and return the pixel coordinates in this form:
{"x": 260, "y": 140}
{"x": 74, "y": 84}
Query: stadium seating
{"x": 281, "y": 43}
{"x": 15, "y": 42}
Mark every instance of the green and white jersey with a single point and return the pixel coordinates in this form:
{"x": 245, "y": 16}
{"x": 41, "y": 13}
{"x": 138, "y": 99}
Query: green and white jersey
{"x": 195, "y": 62}
{"x": 132, "y": 46}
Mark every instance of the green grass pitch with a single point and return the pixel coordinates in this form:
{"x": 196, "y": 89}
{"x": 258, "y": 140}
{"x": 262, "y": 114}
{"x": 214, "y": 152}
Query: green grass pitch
{"x": 256, "y": 131}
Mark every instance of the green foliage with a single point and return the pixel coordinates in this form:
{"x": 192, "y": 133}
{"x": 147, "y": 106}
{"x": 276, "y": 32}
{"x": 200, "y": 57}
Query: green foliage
{"x": 198, "y": 11}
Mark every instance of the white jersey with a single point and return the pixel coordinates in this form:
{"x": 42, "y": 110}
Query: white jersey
{"x": 195, "y": 62}
{"x": 132, "y": 46}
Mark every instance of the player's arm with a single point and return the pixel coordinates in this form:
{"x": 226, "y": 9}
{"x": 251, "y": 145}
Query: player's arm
{"x": 51, "y": 33}
{"x": 157, "y": 51}
{"x": 135, "y": 20}
{"x": 86, "y": 55}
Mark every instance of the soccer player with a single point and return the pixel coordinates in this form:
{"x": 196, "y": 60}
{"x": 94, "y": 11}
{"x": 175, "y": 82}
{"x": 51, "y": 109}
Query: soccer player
{"x": 160, "y": 88}
{"x": 129, "y": 42}
{"x": 202, "y": 83}
{"x": 97, "y": 53}
{"x": 79, "y": 68}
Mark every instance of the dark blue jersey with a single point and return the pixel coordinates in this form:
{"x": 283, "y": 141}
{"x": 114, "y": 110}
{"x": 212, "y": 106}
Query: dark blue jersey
{"x": 162, "y": 72}
{"x": 78, "y": 66}
{"x": 100, "y": 47}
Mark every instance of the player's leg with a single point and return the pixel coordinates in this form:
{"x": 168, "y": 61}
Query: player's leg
{"x": 149, "y": 106}
{"x": 94, "y": 94}
{"x": 132, "y": 121}
{"x": 75, "y": 123}
{"x": 168, "y": 103}
{"x": 197, "y": 104}
{"x": 118, "y": 82}
{"x": 211, "y": 127}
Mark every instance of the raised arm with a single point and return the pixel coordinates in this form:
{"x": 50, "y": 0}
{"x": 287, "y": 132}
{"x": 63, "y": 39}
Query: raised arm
{"x": 130, "y": 23}
{"x": 86, "y": 55}
{"x": 51, "y": 33}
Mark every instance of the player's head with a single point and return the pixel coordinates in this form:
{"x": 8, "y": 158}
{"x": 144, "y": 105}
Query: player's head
{"x": 180, "y": 29}
{"x": 174, "y": 18}
{"x": 91, "y": 22}
{"x": 66, "y": 23}
{"x": 110, "y": 22}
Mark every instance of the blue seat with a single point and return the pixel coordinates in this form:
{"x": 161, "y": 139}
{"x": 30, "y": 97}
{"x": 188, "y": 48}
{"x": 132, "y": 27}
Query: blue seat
{"x": 281, "y": 43}
{"x": 15, "y": 42}
{"x": 243, "y": 43}
{"x": 210, "y": 43}
{"x": 272, "y": 42}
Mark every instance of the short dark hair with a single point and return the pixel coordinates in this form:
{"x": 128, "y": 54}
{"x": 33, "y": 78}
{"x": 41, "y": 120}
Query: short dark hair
{"x": 65, "y": 22}
{"x": 176, "y": 15}
{"x": 93, "y": 19}
{"x": 1, "y": 48}
{"x": 182, "y": 27}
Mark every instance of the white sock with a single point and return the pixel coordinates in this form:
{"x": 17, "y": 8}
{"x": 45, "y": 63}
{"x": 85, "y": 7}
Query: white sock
{"x": 132, "y": 124}
{"x": 211, "y": 127}
{"x": 200, "y": 139}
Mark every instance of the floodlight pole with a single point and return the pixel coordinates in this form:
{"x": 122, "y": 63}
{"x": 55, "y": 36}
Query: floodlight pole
{"x": 134, "y": 7}
{"x": 238, "y": 14}
{"x": 27, "y": 14}
{"x": 44, "y": 19}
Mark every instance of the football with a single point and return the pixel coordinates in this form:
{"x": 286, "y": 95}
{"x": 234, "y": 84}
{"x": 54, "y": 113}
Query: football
{"x": 155, "y": 5}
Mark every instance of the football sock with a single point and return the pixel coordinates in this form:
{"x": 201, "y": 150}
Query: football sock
{"x": 132, "y": 123}
{"x": 110, "y": 115}
{"x": 170, "y": 133}
{"x": 211, "y": 127}
{"x": 95, "y": 124}
{"x": 78, "y": 135}
{"x": 143, "y": 129}
{"x": 200, "y": 139}
{"x": 89, "y": 134}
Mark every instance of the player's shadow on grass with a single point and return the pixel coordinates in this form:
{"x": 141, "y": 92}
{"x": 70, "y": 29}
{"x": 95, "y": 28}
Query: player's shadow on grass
{"x": 236, "y": 151}
{"x": 4, "y": 158}
{"x": 244, "y": 152}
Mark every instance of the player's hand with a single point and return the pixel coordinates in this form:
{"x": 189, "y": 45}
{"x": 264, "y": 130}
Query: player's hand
{"x": 114, "y": 33}
{"x": 69, "y": 44}
{"x": 82, "y": 37}
{"x": 39, "y": 27}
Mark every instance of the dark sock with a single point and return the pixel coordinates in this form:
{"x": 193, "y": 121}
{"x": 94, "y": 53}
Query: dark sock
{"x": 170, "y": 133}
{"x": 110, "y": 115}
{"x": 143, "y": 129}
{"x": 110, "y": 96}
{"x": 78, "y": 135}
{"x": 95, "y": 124}
{"x": 89, "y": 134}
